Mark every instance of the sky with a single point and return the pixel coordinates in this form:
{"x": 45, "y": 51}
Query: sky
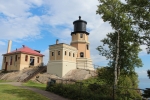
{"x": 38, "y": 23}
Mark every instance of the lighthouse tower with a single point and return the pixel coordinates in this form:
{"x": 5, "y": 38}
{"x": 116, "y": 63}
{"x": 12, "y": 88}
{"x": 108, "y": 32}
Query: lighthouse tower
{"x": 81, "y": 42}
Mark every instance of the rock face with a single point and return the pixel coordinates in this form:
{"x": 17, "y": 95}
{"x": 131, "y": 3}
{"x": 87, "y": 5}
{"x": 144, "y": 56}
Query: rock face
{"x": 44, "y": 78}
{"x": 80, "y": 74}
{"x": 76, "y": 74}
{"x": 18, "y": 75}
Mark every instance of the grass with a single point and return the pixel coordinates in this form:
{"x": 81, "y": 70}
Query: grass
{"x": 1, "y": 81}
{"x": 9, "y": 92}
{"x": 35, "y": 85}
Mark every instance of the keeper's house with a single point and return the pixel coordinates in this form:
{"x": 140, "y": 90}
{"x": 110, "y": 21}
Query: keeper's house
{"x": 21, "y": 58}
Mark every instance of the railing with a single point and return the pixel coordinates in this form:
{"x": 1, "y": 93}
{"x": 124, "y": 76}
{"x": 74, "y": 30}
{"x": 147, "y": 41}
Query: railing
{"x": 41, "y": 69}
{"x": 88, "y": 66}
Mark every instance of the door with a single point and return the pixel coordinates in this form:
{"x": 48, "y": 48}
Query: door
{"x": 6, "y": 66}
{"x": 32, "y": 61}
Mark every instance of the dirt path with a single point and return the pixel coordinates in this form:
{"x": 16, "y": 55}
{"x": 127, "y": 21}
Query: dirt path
{"x": 47, "y": 94}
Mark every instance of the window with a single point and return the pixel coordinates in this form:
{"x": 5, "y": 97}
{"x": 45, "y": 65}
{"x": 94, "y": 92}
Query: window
{"x": 16, "y": 58}
{"x": 87, "y": 46}
{"x": 5, "y": 59}
{"x": 69, "y": 54}
{"x": 81, "y": 54}
{"x": 52, "y": 53}
{"x": 65, "y": 53}
{"x": 26, "y": 58}
{"x": 38, "y": 60}
{"x": 73, "y": 54}
{"x": 81, "y": 35}
{"x": 11, "y": 60}
{"x": 58, "y": 52}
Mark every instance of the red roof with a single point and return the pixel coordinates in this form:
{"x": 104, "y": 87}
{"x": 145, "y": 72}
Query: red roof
{"x": 25, "y": 50}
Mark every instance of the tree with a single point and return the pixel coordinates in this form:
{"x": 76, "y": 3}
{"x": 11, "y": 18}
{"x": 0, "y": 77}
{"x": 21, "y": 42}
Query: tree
{"x": 131, "y": 24}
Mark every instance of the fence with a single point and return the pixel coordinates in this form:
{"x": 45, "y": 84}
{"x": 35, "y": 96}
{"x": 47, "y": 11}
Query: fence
{"x": 92, "y": 91}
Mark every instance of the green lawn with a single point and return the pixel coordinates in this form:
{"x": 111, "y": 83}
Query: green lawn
{"x": 9, "y": 92}
{"x": 3, "y": 81}
{"x": 35, "y": 85}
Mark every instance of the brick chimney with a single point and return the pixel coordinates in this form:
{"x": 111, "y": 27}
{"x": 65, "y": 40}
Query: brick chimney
{"x": 9, "y": 46}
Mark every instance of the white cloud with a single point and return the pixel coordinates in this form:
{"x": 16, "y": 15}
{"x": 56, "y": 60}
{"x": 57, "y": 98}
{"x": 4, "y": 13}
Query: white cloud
{"x": 142, "y": 73}
{"x": 143, "y": 52}
{"x": 19, "y": 28}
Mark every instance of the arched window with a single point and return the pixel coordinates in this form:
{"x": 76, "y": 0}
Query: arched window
{"x": 58, "y": 52}
{"x": 26, "y": 58}
{"x": 65, "y": 53}
{"x": 81, "y": 54}
{"x": 69, "y": 54}
{"x": 73, "y": 54}
{"x": 38, "y": 59}
{"x": 81, "y": 35}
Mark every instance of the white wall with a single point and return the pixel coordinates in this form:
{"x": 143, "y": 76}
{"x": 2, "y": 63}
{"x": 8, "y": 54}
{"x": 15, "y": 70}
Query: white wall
{"x": 55, "y": 67}
{"x": 60, "y": 68}
{"x": 67, "y": 66}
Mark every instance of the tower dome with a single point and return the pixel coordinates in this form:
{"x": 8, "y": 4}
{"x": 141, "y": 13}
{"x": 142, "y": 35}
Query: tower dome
{"x": 79, "y": 26}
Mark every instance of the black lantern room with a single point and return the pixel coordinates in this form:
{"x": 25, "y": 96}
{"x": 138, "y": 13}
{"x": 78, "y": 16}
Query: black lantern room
{"x": 79, "y": 26}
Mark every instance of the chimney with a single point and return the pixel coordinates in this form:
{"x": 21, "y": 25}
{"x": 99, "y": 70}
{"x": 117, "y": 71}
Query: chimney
{"x": 9, "y": 46}
{"x": 23, "y": 46}
{"x": 57, "y": 41}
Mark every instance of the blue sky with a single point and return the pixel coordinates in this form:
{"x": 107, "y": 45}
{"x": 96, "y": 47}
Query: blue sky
{"x": 38, "y": 23}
